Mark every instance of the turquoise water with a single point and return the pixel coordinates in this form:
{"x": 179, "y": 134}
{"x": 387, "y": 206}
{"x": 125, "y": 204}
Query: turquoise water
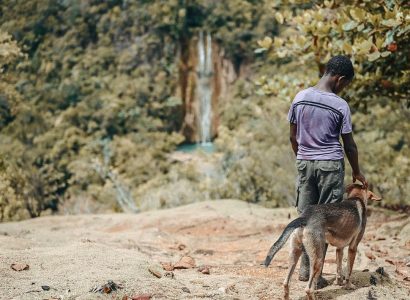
{"x": 204, "y": 147}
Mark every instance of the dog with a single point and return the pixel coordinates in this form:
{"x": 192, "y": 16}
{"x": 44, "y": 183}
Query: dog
{"x": 338, "y": 224}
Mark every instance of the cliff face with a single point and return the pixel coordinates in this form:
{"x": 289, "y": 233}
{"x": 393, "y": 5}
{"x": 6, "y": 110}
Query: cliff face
{"x": 201, "y": 86}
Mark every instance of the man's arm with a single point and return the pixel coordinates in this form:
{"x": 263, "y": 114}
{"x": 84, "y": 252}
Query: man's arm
{"x": 353, "y": 157}
{"x": 292, "y": 137}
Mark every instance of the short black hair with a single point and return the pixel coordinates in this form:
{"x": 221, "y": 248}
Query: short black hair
{"x": 340, "y": 65}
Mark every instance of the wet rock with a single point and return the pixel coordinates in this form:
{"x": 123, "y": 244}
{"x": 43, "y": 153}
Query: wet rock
{"x": 381, "y": 271}
{"x": 169, "y": 274}
{"x": 373, "y": 280}
{"x": 107, "y": 288}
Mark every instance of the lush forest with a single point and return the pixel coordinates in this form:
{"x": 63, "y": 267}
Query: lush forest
{"x": 90, "y": 113}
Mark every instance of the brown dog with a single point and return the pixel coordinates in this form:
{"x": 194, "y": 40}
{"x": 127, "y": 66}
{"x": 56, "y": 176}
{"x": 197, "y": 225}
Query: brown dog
{"x": 338, "y": 224}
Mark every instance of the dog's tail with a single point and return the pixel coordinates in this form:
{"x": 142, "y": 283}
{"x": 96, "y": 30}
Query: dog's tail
{"x": 283, "y": 238}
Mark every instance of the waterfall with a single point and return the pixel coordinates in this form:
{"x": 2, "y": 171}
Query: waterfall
{"x": 204, "y": 86}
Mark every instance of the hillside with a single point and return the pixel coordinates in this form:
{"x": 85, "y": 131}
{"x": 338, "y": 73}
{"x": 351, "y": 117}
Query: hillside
{"x": 73, "y": 254}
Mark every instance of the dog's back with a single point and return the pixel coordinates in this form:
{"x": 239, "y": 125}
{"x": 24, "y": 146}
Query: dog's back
{"x": 340, "y": 221}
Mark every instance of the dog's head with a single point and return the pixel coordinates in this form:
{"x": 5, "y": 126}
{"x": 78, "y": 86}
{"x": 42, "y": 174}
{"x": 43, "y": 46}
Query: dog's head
{"x": 357, "y": 190}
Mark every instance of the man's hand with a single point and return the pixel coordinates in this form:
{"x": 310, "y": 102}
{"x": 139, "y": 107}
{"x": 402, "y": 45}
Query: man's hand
{"x": 361, "y": 178}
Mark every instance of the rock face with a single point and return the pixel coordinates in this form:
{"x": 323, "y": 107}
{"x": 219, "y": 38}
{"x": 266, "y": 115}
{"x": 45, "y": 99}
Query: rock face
{"x": 204, "y": 78}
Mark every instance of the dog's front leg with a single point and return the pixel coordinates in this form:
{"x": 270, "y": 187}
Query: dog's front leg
{"x": 339, "y": 259}
{"x": 350, "y": 261}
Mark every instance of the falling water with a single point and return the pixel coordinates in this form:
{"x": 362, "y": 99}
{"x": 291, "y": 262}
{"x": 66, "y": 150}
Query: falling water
{"x": 204, "y": 87}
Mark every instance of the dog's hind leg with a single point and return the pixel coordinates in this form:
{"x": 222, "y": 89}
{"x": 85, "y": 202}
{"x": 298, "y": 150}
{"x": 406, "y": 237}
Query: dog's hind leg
{"x": 294, "y": 254}
{"x": 314, "y": 243}
{"x": 351, "y": 255}
{"x": 339, "y": 259}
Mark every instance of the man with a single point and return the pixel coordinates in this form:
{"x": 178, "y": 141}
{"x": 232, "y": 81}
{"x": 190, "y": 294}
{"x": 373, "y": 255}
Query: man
{"x": 318, "y": 117}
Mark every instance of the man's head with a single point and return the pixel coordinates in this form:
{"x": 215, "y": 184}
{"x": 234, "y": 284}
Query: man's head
{"x": 339, "y": 71}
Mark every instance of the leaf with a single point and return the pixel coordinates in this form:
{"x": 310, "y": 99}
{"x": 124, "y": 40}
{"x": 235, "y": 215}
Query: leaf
{"x": 349, "y": 25}
{"x": 391, "y": 23}
{"x": 266, "y": 42}
{"x": 260, "y": 50}
{"x": 385, "y": 53}
{"x": 373, "y": 56}
{"x": 347, "y": 48}
{"x": 279, "y": 17}
{"x": 358, "y": 14}
{"x": 364, "y": 47}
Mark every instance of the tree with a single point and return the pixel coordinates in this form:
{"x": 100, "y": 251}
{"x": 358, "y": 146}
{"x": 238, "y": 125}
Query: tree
{"x": 375, "y": 34}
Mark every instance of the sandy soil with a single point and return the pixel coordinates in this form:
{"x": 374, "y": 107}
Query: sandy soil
{"x": 73, "y": 254}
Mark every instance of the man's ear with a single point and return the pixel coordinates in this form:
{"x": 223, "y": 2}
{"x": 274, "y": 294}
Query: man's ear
{"x": 374, "y": 197}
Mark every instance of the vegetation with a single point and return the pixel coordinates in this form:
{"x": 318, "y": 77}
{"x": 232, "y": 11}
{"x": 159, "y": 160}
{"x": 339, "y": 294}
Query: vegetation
{"x": 376, "y": 34}
{"x": 89, "y": 116}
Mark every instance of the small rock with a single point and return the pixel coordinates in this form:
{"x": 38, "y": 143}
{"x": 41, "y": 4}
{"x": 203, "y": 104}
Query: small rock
{"x": 370, "y": 296}
{"x": 222, "y": 290}
{"x": 370, "y": 255}
{"x": 20, "y": 266}
{"x": 204, "y": 270}
{"x": 167, "y": 266}
{"x": 204, "y": 252}
{"x": 169, "y": 274}
{"x": 154, "y": 270}
{"x": 106, "y": 288}
{"x": 181, "y": 247}
{"x": 406, "y": 278}
{"x": 45, "y": 287}
{"x": 381, "y": 271}
{"x": 365, "y": 270}
{"x": 186, "y": 290}
{"x": 373, "y": 280}
{"x": 186, "y": 262}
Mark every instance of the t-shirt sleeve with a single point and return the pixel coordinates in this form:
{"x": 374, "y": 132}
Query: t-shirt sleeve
{"x": 347, "y": 121}
{"x": 292, "y": 114}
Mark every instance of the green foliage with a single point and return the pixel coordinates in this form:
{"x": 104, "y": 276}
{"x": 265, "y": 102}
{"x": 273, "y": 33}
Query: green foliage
{"x": 96, "y": 93}
{"x": 376, "y": 36}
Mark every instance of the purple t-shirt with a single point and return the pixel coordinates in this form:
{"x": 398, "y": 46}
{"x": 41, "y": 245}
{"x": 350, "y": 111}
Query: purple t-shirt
{"x": 320, "y": 118}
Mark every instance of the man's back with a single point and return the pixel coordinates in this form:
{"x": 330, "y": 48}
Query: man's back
{"x": 320, "y": 117}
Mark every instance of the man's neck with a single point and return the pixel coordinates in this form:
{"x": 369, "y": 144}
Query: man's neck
{"x": 325, "y": 84}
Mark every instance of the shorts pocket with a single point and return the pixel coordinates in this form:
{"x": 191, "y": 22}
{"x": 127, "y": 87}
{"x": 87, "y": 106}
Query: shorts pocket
{"x": 329, "y": 165}
{"x": 301, "y": 166}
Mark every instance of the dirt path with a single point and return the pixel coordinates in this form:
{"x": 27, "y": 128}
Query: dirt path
{"x": 72, "y": 254}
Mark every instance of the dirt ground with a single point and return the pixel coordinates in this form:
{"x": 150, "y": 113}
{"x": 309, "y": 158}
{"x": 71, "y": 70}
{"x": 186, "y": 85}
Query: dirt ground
{"x": 73, "y": 254}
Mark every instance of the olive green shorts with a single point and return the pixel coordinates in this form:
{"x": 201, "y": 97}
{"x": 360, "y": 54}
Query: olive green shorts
{"x": 319, "y": 182}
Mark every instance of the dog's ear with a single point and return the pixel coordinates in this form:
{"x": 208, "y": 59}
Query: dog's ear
{"x": 372, "y": 196}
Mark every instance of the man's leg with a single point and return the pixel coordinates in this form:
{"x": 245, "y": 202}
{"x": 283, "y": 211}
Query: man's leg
{"x": 306, "y": 194}
{"x": 330, "y": 176}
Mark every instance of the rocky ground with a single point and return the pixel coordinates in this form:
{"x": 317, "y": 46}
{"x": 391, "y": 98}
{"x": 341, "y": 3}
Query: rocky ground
{"x": 67, "y": 256}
